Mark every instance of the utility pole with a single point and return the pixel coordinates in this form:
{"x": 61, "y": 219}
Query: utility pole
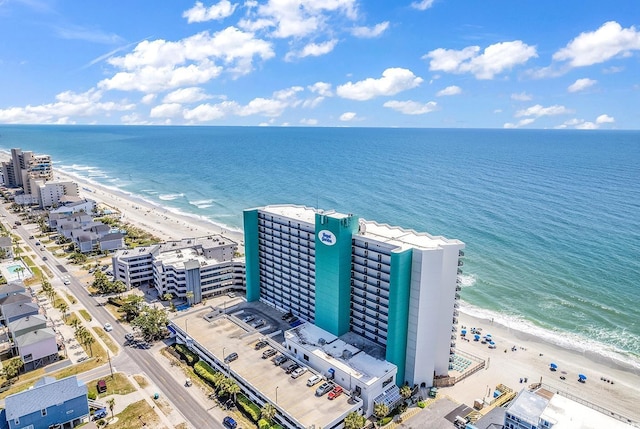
{"x": 110, "y": 367}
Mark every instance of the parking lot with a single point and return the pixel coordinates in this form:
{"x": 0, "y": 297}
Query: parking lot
{"x": 225, "y": 335}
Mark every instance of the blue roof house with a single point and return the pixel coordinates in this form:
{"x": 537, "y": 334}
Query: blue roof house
{"x": 50, "y": 403}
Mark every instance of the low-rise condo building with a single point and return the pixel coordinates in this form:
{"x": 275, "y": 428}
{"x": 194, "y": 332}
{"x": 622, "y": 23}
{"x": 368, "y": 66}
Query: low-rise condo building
{"x": 193, "y": 268}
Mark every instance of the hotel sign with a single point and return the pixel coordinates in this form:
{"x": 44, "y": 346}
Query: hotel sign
{"x": 327, "y": 237}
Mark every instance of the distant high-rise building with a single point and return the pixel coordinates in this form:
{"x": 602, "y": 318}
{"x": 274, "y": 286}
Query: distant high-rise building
{"x": 395, "y": 287}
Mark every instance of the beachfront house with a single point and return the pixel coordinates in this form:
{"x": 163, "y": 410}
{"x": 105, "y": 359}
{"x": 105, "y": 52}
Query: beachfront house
{"x": 36, "y": 348}
{"x": 15, "y": 311}
{"x": 6, "y": 247}
{"x": 11, "y": 288}
{"x": 49, "y": 404}
{"x": 70, "y": 205}
{"x": 27, "y": 324}
{"x": 112, "y": 241}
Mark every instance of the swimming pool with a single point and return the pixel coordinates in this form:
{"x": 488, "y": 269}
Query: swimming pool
{"x": 13, "y": 269}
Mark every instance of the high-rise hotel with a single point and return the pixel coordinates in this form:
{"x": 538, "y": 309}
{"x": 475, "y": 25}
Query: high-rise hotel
{"x": 395, "y": 287}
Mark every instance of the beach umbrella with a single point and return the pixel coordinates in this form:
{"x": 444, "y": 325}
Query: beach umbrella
{"x": 488, "y": 336}
{"x": 476, "y": 337}
{"x": 553, "y": 365}
{"x": 492, "y": 343}
{"x": 463, "y": 332}
{"x": 582, "y": 376}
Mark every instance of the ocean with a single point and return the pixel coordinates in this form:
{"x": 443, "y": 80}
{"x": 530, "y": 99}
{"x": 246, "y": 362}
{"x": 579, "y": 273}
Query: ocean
{"x": 550, "y": 218}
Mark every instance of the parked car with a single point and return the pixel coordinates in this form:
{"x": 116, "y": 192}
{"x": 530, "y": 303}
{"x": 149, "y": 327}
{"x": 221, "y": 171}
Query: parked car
{"x": 258, "y": 323}
{"x": 231, "y": 357}
{"x": 100, "y": 414}
{"x": 313, "y": 380}
{"x": 101, "y": 386}
{"x": 228, "y": 422}
{"x": 268, "y": 353}
{"x": 337, "y": 391}
{"x": 261, "y": 344}
{"x": 324, "y": 388}
{"x": 298, "y": 372}
{"x": 129, "y": 336}
{"x": 280, "y": 360}
{"x": 249, "y": 318}
{"x": 44, "y": 258}
{"x": 66, "y": 282}
{"x": 286, "y": 316}
{"x": 291, "y": 367}
{"x": 231, "y": 294}
{"x": 108, "y": 327}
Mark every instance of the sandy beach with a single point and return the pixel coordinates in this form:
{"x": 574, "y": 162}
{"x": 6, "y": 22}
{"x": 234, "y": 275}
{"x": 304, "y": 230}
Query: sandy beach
{"x": 531, "y": 360}
{"x": 518, "y": 355}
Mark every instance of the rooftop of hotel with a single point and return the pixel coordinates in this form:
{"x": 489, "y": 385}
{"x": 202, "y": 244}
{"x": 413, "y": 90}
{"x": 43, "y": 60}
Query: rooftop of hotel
{"x": 338, "y": 353}
{"x": 403, "y": 238}
{"x": 180, "y": 257}
{"x": 393, "y": 235}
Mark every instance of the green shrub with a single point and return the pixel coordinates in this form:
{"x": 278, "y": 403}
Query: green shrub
{"x": 251, "y": 409}
{"x": 263, "y": 424}
{"x": 421, "y": 404}
{"x": 276, "y": 427}
{"x": 92, "y": 395}
{"x": 187, "y": 354}
{"x": 385, "y": 420}
{"x": 205, "y": 372}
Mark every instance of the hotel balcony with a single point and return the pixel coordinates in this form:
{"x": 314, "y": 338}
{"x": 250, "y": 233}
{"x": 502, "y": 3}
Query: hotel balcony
{"x": 457, "y": 295}
{"x": 453, "y": 336}
{"x": 456, "y": 313}
{"x": 460, "y": 253}
{"x": 460, "y": 263}
{"x": 458, "y": 288}
{"x": 455, "y": 321}
{"x": 453, "y": 343}
{"x": 459, "y": 271}
{"x": 452, "y": 351}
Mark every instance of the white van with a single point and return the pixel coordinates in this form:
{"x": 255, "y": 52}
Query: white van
{"x": 313, "y": 380}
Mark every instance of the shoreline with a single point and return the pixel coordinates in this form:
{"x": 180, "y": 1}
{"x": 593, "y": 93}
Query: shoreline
{"x": 534, "y": 350}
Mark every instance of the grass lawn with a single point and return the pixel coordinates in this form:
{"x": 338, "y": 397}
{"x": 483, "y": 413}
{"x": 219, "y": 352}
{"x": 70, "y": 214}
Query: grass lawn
{"x": 119, "y": 385}
{"x": 135, "y": 415}
{"x": 99, "y": 353}
{"x": 85, "y": 315}
{"x": 70, "y": 298}
{"x": 107, "y": 339}
{"x": 47, "y": 271}
{"x": 141, "y": 381}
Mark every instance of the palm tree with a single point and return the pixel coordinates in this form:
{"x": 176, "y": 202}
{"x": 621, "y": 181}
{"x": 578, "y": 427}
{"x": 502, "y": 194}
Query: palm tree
{"x": 19, "y": 270}
{"x": 405, "y": 392}
{"x": 268, "y": 412}
{"x": 354, "y": 421}
{"x": 233, "y": 389}
{"x": 89, "y": 340}
{"x": 380, "y": 410}
{"x": 111, "y": 402}
{"x": 189, "y": 295}
{"x": 63, "y": 307}
{"x": 75, "y": 324}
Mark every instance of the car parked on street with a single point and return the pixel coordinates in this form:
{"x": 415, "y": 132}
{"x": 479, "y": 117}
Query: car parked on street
{"x": 108, "y": 327}
{"x": 100, "y": 414}
{"x": 229, "y": 423}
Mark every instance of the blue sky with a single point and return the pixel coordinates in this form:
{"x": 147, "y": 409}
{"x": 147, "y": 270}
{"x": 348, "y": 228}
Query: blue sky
{"x": 402, "y": 63}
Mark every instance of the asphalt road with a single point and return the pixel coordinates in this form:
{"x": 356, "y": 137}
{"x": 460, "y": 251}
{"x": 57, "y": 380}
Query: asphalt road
{"x": 135, "y": 360}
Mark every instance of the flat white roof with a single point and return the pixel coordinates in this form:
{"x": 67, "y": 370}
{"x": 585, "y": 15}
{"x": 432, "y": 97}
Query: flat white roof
{"x": 568, "y": 414}
{"x": 403, "y": 238}
{"x": 179, "y": 257}
{"x": 392, "y": 235}
{"x": 339, "y": 354}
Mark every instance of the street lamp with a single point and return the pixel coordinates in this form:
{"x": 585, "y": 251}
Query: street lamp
{"x": 277, "y": 394}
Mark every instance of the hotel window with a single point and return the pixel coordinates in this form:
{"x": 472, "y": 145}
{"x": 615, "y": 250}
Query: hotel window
{"x": 379, "y": 257}
{"x": 43, "y": 412}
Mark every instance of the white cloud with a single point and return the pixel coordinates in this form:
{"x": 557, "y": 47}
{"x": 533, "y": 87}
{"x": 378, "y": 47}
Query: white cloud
{"x": 309, "y": 121}
{"x": 348, "y": 116}
{"x": 523, "y": 96}
{"x": 301, "y": 18}
{"x": 393, "y": 81}
{"x": 321, "y": 88}
{"x": 422, "y": 4}
{"x": 538, "y": 111}
{"x": 497, "y": 111}
{"x": 581, "y": 84}
{"x": 450, "y": 90}
{"x": 412, "y": 107}
{"x": 587, "y": 126}
{"x": 68, "y": 104}
{"x": 158, "y": 65}
{"x": 186, "y": 96}
{"x": 520, "y": 123}
{"x": 313, "y": 50}
{"x": 495, "y": 59}
{"x": 199, "y": 13}
{"x": 608, "y": 41}
{"x": 168, "y": 110}
{"x": 605, "y": 119}
{"x": 613, "y": 69}
{"x": 210, "y": 112}
{"x": 148, "y": 98}
{"x": 370, "y": 32}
